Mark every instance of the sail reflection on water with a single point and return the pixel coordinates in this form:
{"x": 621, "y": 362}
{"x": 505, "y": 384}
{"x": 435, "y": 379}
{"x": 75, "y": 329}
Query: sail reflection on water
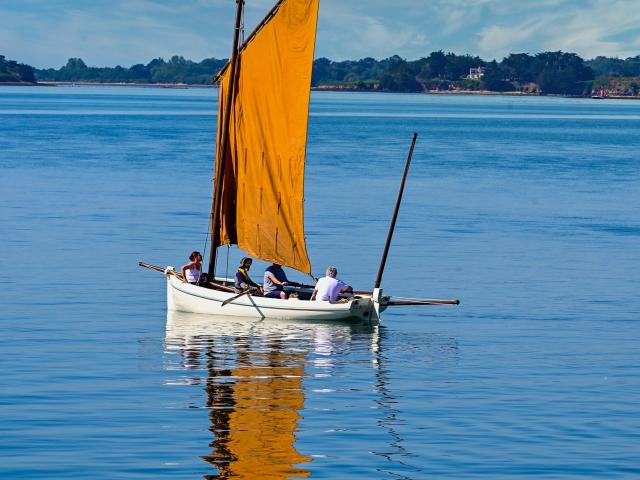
{"x": 257, "y": 433}
{"x": 253, "y": 391}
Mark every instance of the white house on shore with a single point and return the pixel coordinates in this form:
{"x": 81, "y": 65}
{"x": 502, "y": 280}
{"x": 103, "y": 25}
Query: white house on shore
{"x": 476, "y": 73}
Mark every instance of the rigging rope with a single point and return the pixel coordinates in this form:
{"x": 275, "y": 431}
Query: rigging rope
{"x": 206, "y": 241}
{"x": 226, "y": 273}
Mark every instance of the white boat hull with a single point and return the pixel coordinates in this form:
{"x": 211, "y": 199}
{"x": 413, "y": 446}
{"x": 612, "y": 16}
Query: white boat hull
{"x": 184, "y": 297}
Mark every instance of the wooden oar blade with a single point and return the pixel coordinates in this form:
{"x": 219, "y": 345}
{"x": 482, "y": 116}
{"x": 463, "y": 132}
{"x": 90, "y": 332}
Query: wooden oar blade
{"x": 229, "y": 300}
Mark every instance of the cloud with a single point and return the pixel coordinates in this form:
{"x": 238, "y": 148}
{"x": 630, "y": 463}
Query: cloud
{"x": 561, "y": 25}
{"x": 110, "y": 32}
{"x": 588, "y": 32}
{"x": 499, "y": 41}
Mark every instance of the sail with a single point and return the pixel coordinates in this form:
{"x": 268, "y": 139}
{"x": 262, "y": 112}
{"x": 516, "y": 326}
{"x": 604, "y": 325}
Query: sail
{"x": 262, "y": 190}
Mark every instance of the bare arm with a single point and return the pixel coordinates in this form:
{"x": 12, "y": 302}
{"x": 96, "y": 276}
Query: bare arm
{"x": 184, "y": 269}
{"x": 275, "y": 280}
{"x": 313, "y": 294}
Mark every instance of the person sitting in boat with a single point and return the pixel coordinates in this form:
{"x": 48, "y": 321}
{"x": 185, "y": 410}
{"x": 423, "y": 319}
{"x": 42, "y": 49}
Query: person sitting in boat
{"x": 274, "y": 282}
{"x": 192, "y": 271}
{"x": 329, "y": 287}
{"x": 243, "y": 281}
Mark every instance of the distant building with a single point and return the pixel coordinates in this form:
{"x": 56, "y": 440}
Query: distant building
{"x": 476, "y": 73}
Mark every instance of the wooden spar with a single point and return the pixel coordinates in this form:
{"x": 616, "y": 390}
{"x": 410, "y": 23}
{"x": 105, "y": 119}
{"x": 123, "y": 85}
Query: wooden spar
{"x": 264, "y": 21}
{"x": 395, "y": 214}
{"x": 161, "y": 270}
{"x": 178, "y": 275}
{"x": 224, "y": 143}
{"x": 151, "y": 267}
{"x": 420, "y": 302}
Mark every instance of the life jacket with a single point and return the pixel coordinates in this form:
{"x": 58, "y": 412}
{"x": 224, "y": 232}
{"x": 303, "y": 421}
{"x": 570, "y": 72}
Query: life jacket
{"x": 244, "y": 273}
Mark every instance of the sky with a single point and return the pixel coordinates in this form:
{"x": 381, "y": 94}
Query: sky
{"x": 45, "y": 33}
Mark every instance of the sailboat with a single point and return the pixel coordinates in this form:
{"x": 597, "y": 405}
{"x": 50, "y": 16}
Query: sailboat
{"x": 257, "y": 204}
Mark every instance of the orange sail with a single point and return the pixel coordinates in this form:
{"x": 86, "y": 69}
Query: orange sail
{"x": 262, "y": 192}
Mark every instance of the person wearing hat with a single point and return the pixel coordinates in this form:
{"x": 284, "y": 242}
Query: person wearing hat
{"x": 243, "y": 281}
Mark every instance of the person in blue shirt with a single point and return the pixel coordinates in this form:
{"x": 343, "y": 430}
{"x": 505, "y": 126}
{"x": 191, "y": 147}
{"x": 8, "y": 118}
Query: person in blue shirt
{"x": 274, "y": 282}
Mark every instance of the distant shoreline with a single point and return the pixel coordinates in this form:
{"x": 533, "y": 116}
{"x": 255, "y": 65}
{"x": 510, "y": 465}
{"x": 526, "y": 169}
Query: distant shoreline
{"x": 123, "y": 84}
{"x": 184, "y": 86}
{"x": 18, "y": 84}
{"x": 476, "y": 92}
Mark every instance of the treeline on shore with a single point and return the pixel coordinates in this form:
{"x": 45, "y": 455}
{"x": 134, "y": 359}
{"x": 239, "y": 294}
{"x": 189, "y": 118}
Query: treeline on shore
{"x": 176, "y": 70}
{"x": 14, "y": 72}
{"x": 543, "y": 73}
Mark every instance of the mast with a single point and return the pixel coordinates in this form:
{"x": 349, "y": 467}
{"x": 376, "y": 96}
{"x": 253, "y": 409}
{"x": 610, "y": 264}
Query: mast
{"x": 224, "y": 142}
{"x": 395, "y": 214}
{"x": 255, "y": 31}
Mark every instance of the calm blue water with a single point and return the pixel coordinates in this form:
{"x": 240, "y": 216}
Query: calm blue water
{"x": 524, "y": 208}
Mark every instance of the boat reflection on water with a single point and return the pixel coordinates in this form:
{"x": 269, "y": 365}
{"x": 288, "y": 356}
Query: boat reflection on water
{"x": 253, "y": 386}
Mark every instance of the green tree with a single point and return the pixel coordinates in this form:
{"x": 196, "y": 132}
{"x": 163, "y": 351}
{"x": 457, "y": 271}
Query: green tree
{"x": 12, "y": 71}
{"x": 563, "y": 73}
{"x": 519, "y": 67}
{"x": 139, "y": 73}
{"x": 400, "y": 76}
{"x": 437, "y": 61}
{"x": 321, "y": 71}
{"x": 25, "y": 73}
{"x": 494, "y": 78}
{"x": 458, "y": 66}
{"x": 387, "y": 83}
{"x": 615, "y": 67}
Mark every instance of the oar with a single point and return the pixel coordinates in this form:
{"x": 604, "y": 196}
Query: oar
{"x": 179, "y": 276}
{"x": 151, "y": 267}
{"x": 229, "y": 300}
{"x": 421, "y": 302}
{"x": 160, "y": 269}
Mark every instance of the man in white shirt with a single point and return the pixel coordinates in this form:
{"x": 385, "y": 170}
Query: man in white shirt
{"x": 329, "y": 287}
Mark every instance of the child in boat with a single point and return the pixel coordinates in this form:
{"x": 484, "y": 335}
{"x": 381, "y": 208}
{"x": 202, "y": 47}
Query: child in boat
{"x": 192, "y": 271}
{"x": 329, "y": 287}
{"x": 243, "y": 282}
